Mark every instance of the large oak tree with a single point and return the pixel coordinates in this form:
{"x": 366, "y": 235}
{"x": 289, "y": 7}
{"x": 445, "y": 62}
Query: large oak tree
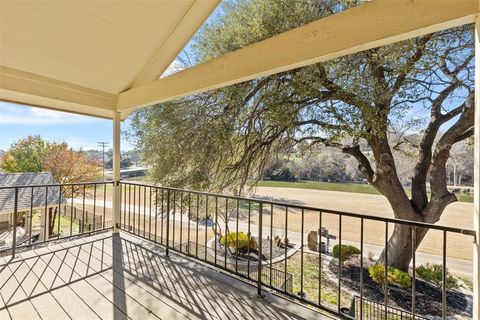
{"x": 365, "y": 104}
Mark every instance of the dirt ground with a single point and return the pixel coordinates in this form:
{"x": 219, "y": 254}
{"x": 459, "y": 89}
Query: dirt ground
{"x": 456, "y": 215}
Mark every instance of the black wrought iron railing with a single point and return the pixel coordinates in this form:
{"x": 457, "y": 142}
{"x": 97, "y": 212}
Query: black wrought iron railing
{"x": 280, "y": 243}
{"x": 33, "y": 215}
{"x": 283, "y": 247}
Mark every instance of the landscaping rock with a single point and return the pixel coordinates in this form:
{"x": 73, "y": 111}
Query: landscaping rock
{"x": 312, "y": 241}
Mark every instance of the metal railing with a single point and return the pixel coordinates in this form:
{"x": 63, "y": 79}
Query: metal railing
{"x": 33, "y": 215}
{"x": 192, "y": 223}
{"x": 278, "y": 257}
{"x": 369, "y": 310}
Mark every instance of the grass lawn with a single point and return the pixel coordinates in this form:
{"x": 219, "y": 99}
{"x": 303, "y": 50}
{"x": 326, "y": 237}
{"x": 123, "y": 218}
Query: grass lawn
{"x": 64, "y": 224}
{"x": 333, "y": 186}
{"x": 310, "y": 280}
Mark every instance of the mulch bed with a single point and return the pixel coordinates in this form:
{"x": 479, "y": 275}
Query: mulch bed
{"x": 276, "y": 251}
{"x": 428, "y": 297}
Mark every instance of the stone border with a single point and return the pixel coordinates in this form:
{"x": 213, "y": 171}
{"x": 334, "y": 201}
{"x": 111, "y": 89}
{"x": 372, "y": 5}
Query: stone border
{"x": 290, "y": 252}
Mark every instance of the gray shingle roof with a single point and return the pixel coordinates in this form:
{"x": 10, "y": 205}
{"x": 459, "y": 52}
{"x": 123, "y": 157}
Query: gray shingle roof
{"x": 7, "y": 196}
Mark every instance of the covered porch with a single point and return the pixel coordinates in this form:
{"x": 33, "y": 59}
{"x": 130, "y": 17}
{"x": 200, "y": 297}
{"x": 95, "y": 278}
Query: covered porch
{"x": 85, "y": 58}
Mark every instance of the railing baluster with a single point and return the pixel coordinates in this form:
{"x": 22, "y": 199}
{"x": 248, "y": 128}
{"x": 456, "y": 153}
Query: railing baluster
{"x": 15, "y": 217}
{"x": 196, "y": 233}
{"x": 249, "y": 238}
{"x": 124, "y": 206}
{"x": 83, "y": 209}
{"x": 134, "y": 208}
{"x": 59, "y": 210}
{"x": 444, "y": 275}
{"x": 119, "y": 206}
{"x": 271, "y": 242}
{"x": 150, "y": 214}
{"x": 225, "y": 233}
{"x": 30, "y": 218}
{"x": 339, "y": 292}
{"x": 181, "y": 220}
{"x": 259, "y": 261}
{"x": 320, "y": 258}
{"x": 301, "y": 254}
{"x": 236, "y": 228}
{"x": 206, "y": 227}
{"x": 168, "y": 221}
{"x": 361, "y": 268}
{"x": 71, "y": 212}
{"x": 174, "y": 214}
{"x": 129, "y": 207}
{"x": 139, "y": 209}
{"x": 156, "y": 212}
{"x": 286, "y": 247}
{"x": 414, "y": 291}
{"x": 189, "y": 218}
{"x": 45, "y": 220}
{"x": 144, "y": 209}
{"x": 215, "y": 229}
{"x": 163, "y": 217}
{"x": 95, "y": 205}
{"x": 386, "y": 272}
{"x": 105, "y": 202}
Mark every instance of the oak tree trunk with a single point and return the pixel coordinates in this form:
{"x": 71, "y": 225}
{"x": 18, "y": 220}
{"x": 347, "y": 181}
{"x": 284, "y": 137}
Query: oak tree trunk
{"x": 399, "y": 246}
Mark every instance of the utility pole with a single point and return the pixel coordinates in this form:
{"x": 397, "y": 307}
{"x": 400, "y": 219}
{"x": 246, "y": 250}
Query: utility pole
{"x": 103, "y": 144}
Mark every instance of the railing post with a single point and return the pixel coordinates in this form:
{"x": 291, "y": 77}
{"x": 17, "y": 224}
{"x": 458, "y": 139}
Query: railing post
{"x": 476, "y": 176}
{"x": 259, "y": 261}
{"x": 116, "y": 172}
{"x": 15, "y": 213}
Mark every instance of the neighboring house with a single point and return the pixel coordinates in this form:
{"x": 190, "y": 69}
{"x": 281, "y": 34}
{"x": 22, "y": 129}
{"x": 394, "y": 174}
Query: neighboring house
{"x": 42, "y": 199}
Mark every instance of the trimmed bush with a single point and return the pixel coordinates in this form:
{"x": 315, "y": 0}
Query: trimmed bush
{"x": 347, "y": 251}
{"x": 433, "y": 273}
{"x": 231, "y": 240}
{"x": 394, "y": 276}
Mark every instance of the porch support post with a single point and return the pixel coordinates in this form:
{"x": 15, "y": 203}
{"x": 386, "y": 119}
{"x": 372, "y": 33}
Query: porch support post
{"x": 116, "y": 172}
{"x": 476, "y": 178}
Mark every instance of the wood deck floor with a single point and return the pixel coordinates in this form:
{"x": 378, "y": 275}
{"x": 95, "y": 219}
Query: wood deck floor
{"x": 125, "y": 277}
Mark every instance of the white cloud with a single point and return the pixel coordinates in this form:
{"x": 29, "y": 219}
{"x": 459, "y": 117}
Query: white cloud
{"x": 13, "y": 114}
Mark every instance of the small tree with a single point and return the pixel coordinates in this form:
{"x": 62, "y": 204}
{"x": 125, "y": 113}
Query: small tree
{"x": 33, "y": 154}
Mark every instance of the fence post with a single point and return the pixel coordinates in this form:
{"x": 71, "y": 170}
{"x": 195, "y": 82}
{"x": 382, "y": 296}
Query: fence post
{"x": 259, "y": 261}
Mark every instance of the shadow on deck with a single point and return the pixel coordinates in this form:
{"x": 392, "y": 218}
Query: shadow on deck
{"x": 124, "y": 277}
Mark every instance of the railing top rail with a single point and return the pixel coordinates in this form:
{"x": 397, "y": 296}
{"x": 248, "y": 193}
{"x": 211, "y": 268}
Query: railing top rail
{"x": 54, "y": 185}
{"x": 418, "y": 224}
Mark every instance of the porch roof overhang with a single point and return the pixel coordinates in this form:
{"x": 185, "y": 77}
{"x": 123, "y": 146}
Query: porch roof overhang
{"x": 98, "y": 57}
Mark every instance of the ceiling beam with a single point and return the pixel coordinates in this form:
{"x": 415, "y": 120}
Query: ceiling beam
{"x": 373, "y": 24}
{"x": 30, "y": 89}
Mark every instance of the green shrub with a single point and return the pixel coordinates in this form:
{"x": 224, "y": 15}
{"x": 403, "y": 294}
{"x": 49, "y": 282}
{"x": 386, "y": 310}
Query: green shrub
{"x": 433, "y": 273}
{"x": 347, "y": 251}
{"x": 394, "y": 276}
{"x": 231, "y": 240}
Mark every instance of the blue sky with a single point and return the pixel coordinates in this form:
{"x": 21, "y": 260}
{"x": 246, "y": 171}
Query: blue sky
{"x": 18, "y": 121}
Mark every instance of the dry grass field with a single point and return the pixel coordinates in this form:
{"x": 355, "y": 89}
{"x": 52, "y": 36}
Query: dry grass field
{"x": 456, "y": 215}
